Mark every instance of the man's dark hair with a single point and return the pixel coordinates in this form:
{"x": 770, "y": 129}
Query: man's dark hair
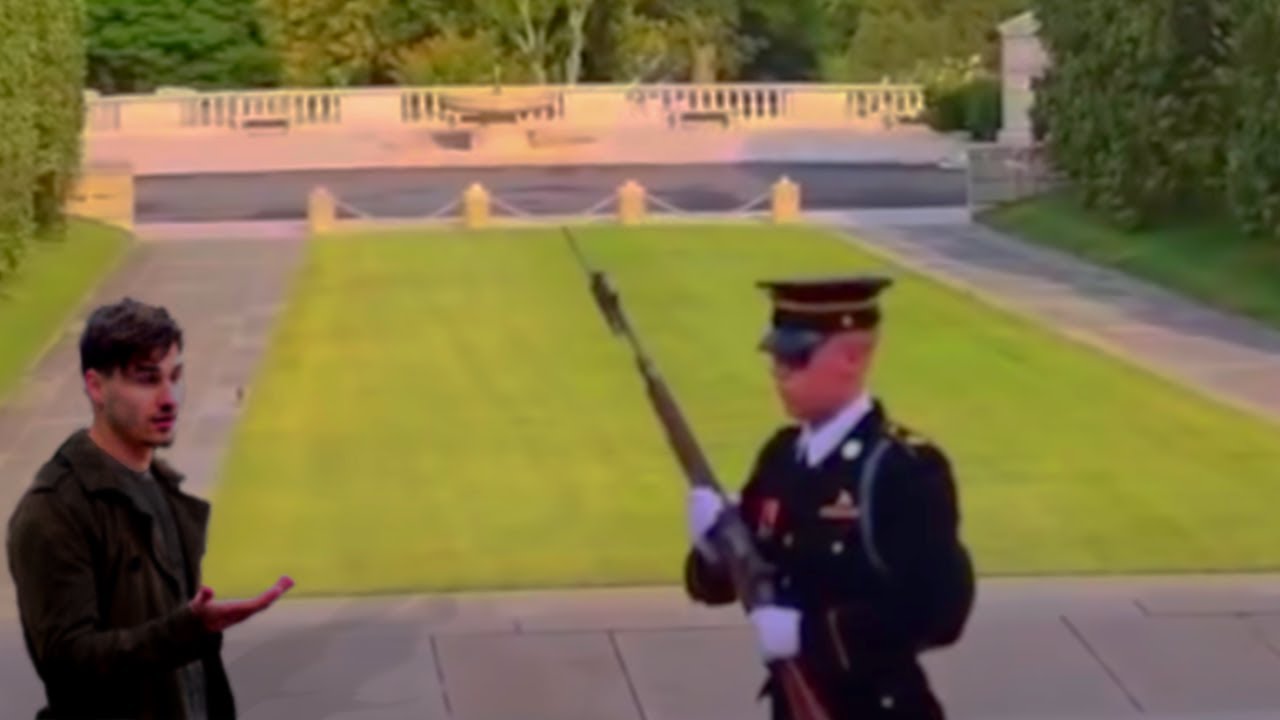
{"x": 124, "y": 333}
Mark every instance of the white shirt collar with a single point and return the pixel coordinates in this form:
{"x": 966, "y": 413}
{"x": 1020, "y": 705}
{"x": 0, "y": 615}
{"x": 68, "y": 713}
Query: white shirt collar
{"x": 815, "y": 444}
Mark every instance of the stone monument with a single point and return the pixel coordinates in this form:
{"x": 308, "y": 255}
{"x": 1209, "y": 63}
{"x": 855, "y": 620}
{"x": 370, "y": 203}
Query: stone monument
{"x": 1023, "y": 59}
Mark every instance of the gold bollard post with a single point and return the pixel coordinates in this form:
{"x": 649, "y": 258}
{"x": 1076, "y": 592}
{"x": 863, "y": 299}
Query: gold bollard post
{"x": 475, "y": 202}
{"x": 322, "y": 211}
{"x": 631, "y": 202}
{"x": 786, "y": 201}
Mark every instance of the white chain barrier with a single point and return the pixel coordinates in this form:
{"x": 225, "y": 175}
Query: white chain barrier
{"x": 763, "y": 197}
{"x": 504, "y": 205}
{"x": 339, "y": 204}
{"x": 447, "y": 207}
{"x": 596, "y": 209}
{"x": 665, "y": 205}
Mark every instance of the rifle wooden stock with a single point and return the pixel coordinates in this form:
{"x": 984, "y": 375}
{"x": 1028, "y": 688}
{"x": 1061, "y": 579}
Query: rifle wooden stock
{"x": 752, "y": 576}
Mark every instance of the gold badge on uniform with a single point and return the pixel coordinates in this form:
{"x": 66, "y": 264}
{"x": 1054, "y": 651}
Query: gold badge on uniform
{"x": 841, "y": 509}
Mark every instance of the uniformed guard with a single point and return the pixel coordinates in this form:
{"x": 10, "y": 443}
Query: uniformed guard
{"x": 857, "y": 514}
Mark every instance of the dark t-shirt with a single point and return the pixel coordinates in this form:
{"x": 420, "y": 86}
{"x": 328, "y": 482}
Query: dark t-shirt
{"x": 170, "y": 547}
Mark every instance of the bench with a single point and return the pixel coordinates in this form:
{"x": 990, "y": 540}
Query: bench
{"x": 489, "y": 117}
{"x": 266, "y": 122}
{"x": 697, "y": 117}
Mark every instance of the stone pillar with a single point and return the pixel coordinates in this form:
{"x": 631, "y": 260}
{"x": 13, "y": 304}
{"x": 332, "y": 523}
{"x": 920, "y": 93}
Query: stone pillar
{"x": 1022, "y": 58}
{"x": 104, "y": 191}
{"x": 322, "y": 211}
{"x": 630, "y": 202}
{"x": 786, "y": 201}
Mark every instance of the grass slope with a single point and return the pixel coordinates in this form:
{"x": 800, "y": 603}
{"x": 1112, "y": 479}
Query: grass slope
{"x": 1209, "y": 261}
{"x": 448, "y": 411}
{"x": 52, "y": 280}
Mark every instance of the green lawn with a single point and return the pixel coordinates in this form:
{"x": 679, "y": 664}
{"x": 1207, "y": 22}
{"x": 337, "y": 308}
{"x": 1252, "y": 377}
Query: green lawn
{"x": 1209, "y": 261}
{"x": 53, "y": 279}
{"x": 449, "y": 411}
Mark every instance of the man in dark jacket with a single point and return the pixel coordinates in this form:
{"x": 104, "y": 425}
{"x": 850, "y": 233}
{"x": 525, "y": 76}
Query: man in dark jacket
{"x": 105, "y": 549}
{"x": 858, "y": 516}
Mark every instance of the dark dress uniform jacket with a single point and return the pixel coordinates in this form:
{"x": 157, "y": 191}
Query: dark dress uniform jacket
{"x": 104, "y": 617}
{"x": 866, "y": 545}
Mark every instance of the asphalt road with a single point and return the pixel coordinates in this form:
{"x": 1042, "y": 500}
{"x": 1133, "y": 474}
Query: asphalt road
{"x": 540, "y": 190}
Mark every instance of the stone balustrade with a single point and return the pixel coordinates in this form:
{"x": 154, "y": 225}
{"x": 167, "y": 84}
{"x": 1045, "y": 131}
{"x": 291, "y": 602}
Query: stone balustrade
{"x": 742, "y": 105}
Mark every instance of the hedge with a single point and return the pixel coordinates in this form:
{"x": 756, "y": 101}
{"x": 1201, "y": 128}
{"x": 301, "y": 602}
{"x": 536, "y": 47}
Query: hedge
{"x": 18, "y": 135}
{"x": 1161, "y": 108}
{"x": 1252, "y": 99}
{"x": 41, "y": 90}
{"x": 972, "y": 106}
{"x": 59, "y": 98}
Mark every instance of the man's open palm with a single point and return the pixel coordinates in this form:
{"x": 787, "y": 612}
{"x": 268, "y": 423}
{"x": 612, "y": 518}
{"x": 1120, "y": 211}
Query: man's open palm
{"x": 220, "y": 615}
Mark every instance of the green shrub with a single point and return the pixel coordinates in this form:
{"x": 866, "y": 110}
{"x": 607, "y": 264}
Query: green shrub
{"x": 944, "y": 108}
{"x": 1134, "y": 102}
{"x": 982, "y": 108}
{"x": 41, "y": 93}
{"x": 58, "y": 97}
{"x": 972, "y": 106}
{"x": 1252, "y": 176}
{"x": 17, "y": 130}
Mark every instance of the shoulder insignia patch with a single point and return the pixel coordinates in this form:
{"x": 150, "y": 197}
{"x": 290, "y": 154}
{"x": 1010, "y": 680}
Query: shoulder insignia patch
{"x": 907, "y": 435}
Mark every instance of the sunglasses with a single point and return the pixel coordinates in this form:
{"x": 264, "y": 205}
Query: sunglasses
{"x": 793, "y": 351}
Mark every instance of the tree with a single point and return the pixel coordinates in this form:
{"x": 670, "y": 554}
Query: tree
{"x": 786, "y": 38}
{"x": 139, "y": 45}
{"x": 840, "y": 27}
{"x": 575, "y": 27}
{"x": 328, "y": 42}
{"x": 625, "y": 44}
{"x": 909, "y": 40}
{"x": 705, "y": 41}
{"x": 527, "y": 27}
{"x": 455, "y": 57}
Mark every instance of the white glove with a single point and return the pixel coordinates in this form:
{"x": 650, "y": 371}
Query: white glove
{"x": 703, "y": 506}
{"x": 777, "y": 631}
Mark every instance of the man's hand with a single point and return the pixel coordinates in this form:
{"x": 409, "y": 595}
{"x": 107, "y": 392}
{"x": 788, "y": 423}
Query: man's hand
{"x": 220, "y": 615}
{"x": 777, "y": 631}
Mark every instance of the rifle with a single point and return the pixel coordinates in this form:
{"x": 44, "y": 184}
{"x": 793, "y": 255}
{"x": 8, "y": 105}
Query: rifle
{"x": 752, "y": 577}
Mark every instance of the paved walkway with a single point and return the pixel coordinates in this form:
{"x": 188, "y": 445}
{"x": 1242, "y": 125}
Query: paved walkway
{"x": 1189, "y": 648}
{"x": 1036, "y": 650}
{"x": 1233, "y": 359}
